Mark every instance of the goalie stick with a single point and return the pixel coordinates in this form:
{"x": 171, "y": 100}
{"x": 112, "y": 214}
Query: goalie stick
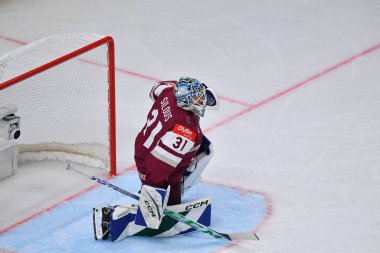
{"x": 177, "y": 216}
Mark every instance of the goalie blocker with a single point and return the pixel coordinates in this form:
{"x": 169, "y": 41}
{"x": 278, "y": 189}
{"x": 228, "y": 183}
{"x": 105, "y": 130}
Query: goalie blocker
{"x": 152, "y": 203}
{"x": 118, "y": 222}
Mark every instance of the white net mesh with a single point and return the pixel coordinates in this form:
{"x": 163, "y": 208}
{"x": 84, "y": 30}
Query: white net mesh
{"x": 65, "y": 108}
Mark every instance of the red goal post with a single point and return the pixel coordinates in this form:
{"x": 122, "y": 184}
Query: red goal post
{"x": 63, "y": 87}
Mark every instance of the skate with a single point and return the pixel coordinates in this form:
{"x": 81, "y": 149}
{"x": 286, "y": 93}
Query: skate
{"x": 101, "y": 219}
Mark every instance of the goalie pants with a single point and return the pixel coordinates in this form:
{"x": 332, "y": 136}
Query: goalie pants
{"x": 180, "y": 180}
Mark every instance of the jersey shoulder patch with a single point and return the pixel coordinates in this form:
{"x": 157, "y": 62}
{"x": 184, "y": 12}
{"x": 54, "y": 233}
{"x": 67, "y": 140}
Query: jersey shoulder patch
{"x": 185, "y": 132}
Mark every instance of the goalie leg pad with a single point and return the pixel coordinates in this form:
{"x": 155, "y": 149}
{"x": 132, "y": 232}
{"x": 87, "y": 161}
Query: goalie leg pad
{"x": 121, "y": 221}
{"x": 152, "y": 203}
{"x": 198, "y": 210}
{"x": 113, "y": 222}
{"x": 123, "y": 226}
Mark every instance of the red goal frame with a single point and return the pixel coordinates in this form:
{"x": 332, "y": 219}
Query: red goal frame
{"x": 111, "y": 78}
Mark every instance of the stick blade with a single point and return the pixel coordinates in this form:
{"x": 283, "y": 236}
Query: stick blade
{"x": 243, "y": 236}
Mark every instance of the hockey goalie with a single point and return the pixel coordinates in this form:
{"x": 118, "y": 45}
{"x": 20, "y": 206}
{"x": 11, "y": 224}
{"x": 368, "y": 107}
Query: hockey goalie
{"x": 170, "y": 154}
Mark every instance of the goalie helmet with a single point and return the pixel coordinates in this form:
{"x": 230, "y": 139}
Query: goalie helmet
{"x": 195, "y": 96}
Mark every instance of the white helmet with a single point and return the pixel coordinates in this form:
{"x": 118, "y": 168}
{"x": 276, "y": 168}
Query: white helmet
{"x": 195, "y": 96}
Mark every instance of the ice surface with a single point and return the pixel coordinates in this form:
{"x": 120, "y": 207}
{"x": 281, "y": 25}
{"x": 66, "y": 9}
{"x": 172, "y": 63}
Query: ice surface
{"x": 68, "y": 228}
{"x": 314, "y": 151}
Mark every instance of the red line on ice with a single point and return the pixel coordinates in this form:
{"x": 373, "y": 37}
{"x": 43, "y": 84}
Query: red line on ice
{"x": 13, "y": 40}
{"x": 89, "y": 188}
{"x": 292, "y": 88}
{"x": 48, "y": 209}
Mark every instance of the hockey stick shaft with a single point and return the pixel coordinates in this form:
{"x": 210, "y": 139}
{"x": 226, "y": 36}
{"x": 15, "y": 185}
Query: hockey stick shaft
{"x": 103, "y": 182}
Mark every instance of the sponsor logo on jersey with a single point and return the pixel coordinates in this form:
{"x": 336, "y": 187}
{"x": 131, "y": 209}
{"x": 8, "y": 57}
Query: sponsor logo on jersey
{"x": 185, "y": 132}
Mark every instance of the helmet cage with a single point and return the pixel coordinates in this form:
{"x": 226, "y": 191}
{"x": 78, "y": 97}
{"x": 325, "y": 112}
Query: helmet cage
{"x": 191, "y": 96}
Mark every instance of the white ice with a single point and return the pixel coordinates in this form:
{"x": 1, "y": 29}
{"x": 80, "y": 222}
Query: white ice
{"x": 315, "y": 150}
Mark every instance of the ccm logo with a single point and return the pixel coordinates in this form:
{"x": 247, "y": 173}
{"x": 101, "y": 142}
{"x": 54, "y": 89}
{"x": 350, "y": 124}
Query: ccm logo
{"x": 150, "y": 209}
{"x": 196, "y": 205}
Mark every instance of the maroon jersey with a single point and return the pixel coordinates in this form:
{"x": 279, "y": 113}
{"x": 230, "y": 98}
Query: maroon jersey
{"x": 168, "y": 142}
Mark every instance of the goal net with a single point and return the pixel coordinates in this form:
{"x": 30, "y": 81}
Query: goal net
{"x": 63, "y": 89}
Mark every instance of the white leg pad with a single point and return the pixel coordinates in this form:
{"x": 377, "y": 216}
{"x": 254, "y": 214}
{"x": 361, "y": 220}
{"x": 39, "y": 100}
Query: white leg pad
{"x": 120, "y": 211}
